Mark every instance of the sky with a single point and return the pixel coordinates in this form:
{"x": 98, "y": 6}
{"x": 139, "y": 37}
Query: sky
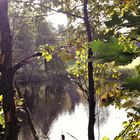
{"x": 57, "y": 18}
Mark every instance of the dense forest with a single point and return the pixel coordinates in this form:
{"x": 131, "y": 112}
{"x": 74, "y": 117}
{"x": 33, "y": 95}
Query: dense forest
{"x": 93, "y": 56}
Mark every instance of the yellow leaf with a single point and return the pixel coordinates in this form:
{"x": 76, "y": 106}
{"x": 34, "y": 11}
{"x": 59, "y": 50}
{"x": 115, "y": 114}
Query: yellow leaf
{"x": 52, "y": 48}
{"x": 1, "y": 98}
{"x": 105, "y": 138}
{"x": 19, "y": 102}
{"x": 48, "y": 57}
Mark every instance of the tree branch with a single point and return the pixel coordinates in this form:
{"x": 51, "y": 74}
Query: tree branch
{"x": 123, "y": 132}
{"x": 71, "y": 136}
{"x": 63, "y": 12}
{"x": 129, "y": 24}
{"x": 134, "y": 39}
{"x": 25, "y": 107}
{"x": 85, "y": 91}
{"x": 52, "y": 9}
{"x": 25, "y": 61}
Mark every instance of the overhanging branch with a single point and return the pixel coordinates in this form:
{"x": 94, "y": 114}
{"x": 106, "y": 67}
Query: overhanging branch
{"x": 52, "y": 9}
{"x": 64, "y": 12}
{"x": 25, "y": 61}
{"x": 25, "y": 107}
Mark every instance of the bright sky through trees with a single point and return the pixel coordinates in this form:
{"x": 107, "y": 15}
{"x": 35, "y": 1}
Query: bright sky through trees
{"x": 57, "y": 18}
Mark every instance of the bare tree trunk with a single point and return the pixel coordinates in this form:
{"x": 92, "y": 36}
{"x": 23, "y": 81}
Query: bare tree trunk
{"x": 7, "y": 74}
{"x": 91, "y": 97}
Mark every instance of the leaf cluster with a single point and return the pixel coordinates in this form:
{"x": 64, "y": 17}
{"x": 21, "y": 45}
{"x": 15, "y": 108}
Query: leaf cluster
{"x": 112, "y": 50}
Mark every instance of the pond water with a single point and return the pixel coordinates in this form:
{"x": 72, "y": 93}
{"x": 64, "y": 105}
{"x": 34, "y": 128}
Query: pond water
{"x": 58, "y": 110}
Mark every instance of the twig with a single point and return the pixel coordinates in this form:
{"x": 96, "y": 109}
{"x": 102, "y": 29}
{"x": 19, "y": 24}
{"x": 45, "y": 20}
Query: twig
{"x": 135, "y": 39}
{"x": 71, "y": 136}
{"x": 63, "y": 137}
{"x": 85, "y": 91}
{"x": 126, "y": 129}
{"x": 37, "y": 123}
{"x": 29, "y": 117}
{"x": 98, "y": 120}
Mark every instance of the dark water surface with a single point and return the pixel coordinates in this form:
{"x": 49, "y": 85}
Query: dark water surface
{"x": 59, "y": 108}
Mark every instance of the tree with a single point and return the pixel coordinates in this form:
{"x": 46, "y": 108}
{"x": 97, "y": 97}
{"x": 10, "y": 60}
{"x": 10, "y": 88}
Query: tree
{"x": 7, "y": 73}
{"x": 82, "y": 9}
{"x": 86, "y": 11}
{"x": 91, "y": 97}
{"x": 122, "y": 49}
{"x": 87, "y": 28}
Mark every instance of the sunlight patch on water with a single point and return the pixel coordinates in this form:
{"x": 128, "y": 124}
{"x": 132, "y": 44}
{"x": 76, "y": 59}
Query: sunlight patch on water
{"x": 113, "y": 125}
{"x": 76, "y": 124}
{"x": 73, "y": 123}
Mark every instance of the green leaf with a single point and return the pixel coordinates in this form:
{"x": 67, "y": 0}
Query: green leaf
{"x": 114, "y": 21}
{"x": 132, "y": 19}
{"x": 135, "y": 116}
{"x": 107, "y": 51}
{"x": 124, "y": 58}
{"x": 132, "y": 83}
{"x": 112, "y": 50}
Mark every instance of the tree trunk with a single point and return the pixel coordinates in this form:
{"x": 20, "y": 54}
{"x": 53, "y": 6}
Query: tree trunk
{"x": 7, "y": 74}
{"x": 91, "y": 97}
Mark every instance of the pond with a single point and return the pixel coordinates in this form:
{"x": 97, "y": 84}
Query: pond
{"x": 60, "y": 109}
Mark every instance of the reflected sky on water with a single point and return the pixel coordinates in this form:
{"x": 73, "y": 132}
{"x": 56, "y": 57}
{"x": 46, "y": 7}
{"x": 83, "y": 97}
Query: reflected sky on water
{"x": 60, "y": 110}
{"x": 76, "y": 124}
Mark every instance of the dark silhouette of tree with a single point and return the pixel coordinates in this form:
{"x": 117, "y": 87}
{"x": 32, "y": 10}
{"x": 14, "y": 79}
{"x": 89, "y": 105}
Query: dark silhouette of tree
{"x": 7, "y": 73}
{"x": 91, "y": 97}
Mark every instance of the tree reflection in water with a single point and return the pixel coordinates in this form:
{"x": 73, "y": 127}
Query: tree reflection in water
{"x": 58, "y": 104}
{"x": 46, "y": 103}
{"x": 57, "y": 109}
